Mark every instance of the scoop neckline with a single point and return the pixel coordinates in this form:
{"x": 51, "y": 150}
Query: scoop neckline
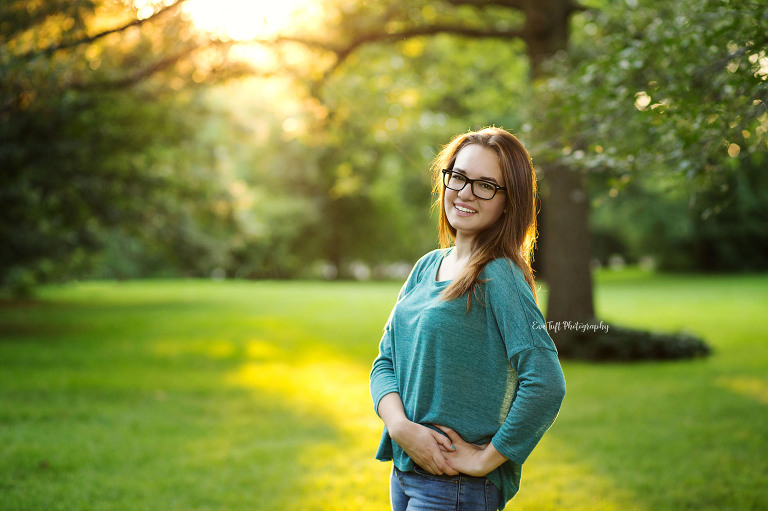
{"x": 441, "y": 283}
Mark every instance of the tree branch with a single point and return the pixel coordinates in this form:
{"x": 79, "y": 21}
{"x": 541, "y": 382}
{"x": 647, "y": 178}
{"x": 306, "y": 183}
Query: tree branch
{"x": 89, "y": 39}
{"x": 135, "y": 77}
{"x": 513, "y": 4}
{"x": 521, "y": 5}
{"x": 343, "y": 51}
{"x": 222, "y": 73}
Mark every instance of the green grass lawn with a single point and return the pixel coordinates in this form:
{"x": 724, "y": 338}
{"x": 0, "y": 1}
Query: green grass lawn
{"x": 201, "y": 395}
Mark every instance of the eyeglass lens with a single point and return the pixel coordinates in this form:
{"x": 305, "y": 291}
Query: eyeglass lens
{"x": 481, "y": 189}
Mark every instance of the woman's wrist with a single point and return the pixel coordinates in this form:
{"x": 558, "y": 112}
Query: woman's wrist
{"x": 392, "y": 413}
{"x": 489, "y": 459}
{"x": 396, "y": 426}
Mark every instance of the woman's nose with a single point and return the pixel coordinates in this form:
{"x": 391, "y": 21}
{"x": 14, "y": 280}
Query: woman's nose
{"x": 466, "y": 192}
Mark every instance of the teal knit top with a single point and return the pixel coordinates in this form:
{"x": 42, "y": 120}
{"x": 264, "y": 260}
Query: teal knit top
{"x": 491, "y": 374}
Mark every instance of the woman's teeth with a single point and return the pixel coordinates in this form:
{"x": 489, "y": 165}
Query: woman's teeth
{"x": 465, "y": 210}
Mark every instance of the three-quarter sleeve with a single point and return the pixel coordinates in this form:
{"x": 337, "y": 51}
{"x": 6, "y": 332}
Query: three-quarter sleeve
{"x": 532, "y": 354}
{"x": 541, "y": 389}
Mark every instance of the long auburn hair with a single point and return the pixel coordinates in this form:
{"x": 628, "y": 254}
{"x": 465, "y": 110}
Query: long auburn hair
{"x": 513, "y": 236}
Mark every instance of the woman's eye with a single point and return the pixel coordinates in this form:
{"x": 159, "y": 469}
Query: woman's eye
{"x": 486, "y": 186}
{"x": 459, "y": 178}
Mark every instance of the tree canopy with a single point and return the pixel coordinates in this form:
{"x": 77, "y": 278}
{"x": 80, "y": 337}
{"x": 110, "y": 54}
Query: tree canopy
{"x": 124, "y": 152}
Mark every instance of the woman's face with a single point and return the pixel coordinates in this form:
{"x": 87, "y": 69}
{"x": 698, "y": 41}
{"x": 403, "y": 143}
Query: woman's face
{"x": 465, "y": 212}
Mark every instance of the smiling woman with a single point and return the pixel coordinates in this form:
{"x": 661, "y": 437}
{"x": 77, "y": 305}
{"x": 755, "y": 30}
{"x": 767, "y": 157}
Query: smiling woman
{"x": 244, "y": 19}
{"x": 479, "y": 333}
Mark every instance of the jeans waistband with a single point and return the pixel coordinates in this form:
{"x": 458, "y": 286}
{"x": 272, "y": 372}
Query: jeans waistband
{"x": 421, "y": 471}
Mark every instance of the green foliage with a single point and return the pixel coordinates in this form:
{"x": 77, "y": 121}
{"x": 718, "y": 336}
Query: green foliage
{"x": 664, "y": 105}
{"x": 668, "y": 85}
{"x": 683, "y": 226}
{"x": 390, "y": 112}
{"x": 730, "y": 220}
{"x": 116, "y": 164}
{"x": 107, "y": 162}
{"x": 344, "y": 176}
{"x": 668, "y": 97}
{"x": 97, "y": 141}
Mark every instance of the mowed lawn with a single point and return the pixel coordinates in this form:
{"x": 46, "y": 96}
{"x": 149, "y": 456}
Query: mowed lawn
{"x": 202, "y": 395}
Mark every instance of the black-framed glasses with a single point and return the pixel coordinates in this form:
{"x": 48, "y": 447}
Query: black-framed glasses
{"x": 485, "y": 190}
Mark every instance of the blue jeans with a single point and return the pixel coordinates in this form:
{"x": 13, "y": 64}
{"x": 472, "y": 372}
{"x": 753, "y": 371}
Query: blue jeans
{"x": 421, "y": 491}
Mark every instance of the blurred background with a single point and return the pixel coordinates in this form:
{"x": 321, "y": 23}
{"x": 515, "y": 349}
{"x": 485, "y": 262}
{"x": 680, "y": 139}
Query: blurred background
{"x": 208, "y": 206}
{"x": 252, "y": 140}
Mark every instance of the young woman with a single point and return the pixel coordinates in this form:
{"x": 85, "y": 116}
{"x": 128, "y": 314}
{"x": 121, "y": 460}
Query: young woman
{"x": 467, "y": 379}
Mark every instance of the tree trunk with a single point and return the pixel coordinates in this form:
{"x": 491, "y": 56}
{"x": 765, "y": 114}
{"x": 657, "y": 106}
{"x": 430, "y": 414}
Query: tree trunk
{"x": 566, "y": 263}
{"x": 565, "y": 202}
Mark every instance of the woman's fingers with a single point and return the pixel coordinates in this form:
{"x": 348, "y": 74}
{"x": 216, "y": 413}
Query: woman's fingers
{"x": 426, "y": 446}
{"x": 437, "y": 462}
{"x": 436, "y": 465}
{"x": 441, "y": 466}
{"x": 443, "y": 441}
{"x": 454, "y": 437}
{"x": 449, "y": 470}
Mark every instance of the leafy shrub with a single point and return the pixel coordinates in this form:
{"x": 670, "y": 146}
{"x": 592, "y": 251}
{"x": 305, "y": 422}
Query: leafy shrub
{"x": 622, "y": 344}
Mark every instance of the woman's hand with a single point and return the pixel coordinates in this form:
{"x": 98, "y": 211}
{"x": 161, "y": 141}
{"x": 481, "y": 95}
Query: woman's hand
{"x": 471, "y": 459}
{"x": 426, "y": 447}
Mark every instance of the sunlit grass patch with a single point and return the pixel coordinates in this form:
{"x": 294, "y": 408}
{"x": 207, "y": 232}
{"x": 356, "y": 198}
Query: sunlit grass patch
{"x": 332, "y": 387}
{"x": 756, "y": 388}
{"x": 556, "y": 478}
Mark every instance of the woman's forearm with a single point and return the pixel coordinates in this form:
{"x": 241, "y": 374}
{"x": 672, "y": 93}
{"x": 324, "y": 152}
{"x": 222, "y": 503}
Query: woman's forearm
{"x": 472, "y": 459}
{"x": 392, "y": 412}
{"x": 490, "y": 459}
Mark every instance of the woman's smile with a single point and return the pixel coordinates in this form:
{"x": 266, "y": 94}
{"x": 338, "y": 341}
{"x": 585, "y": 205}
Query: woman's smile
{"x": 463, "y": 209}
{"x": 465, "y": 212}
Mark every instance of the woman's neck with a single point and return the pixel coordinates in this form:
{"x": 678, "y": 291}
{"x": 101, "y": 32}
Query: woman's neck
{"x": 463, "y": 249}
